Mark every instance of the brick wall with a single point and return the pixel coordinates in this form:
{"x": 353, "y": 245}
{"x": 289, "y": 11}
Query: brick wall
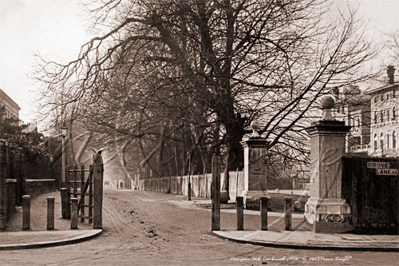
{"x": 35, "y": 187}
{"x": 3, "y": 188}
{"x": 11, "y": 186}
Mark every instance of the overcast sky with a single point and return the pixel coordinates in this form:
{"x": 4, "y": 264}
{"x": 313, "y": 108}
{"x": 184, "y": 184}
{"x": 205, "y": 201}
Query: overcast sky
{"x": 56, "y": 29}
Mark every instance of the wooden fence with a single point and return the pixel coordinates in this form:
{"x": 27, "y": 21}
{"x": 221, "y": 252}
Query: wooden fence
{"x": 200, "y": 184}
{"x": 86, "y": 185}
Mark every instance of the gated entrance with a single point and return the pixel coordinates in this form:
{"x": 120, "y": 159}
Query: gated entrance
{"x": 370, "y": 186}
{"x": 87, "y": 186}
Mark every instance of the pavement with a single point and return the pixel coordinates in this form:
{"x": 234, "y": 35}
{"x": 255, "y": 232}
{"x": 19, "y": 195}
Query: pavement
{"x": 311, "y": 240}
{"x": 38, "y": 238}
{"x": 41, "y": 239}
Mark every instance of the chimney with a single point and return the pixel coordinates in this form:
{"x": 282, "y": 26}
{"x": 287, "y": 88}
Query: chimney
{"x": 390, "y": 72}
{"x": 335, "y": 92}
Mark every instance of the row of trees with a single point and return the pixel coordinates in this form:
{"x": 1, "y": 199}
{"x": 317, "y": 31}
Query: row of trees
{"x": 180, "y": 80}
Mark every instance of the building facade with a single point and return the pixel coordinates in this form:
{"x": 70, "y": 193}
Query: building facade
{"x": 11, "y": 108}
{"x": 384, "y": 130}
{"x": 354, "y": 109}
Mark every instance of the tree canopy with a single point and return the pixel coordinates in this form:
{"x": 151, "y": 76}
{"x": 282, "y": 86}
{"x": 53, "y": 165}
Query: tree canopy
{"x": 28, "y": 143}
{"x": 180, "y": 78}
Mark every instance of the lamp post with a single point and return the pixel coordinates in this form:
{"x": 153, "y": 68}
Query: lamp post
{"x": 64, "y": 130}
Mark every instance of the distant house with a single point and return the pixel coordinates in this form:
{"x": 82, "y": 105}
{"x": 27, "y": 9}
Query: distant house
{"x": 385, "y": 121}
{"x": 353, "y": 107}
{"x": 11, "y": 107}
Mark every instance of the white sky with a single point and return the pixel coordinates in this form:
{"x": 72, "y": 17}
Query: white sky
{"x": 56, "y": 29}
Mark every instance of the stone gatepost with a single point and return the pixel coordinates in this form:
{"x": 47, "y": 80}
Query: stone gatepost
{"x": 255, "y": 177}
{"x": 325, "y": 209}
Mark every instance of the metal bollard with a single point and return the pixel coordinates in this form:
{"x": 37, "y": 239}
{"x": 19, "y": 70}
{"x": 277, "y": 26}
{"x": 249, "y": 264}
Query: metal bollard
{"x": 240, "y": 213}
{"x": 263, "y": 212}
{"x": 288, "y": 213}
{"x": 25, "y": 212}
{"x": 50, "y": 213}
{"x": 65, "y": 209}
{"x": 74, "y": 213}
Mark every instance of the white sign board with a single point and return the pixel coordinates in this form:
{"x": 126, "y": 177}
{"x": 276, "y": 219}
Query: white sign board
{"x": 386, "y": 171}
{"x": 378, "y": 165}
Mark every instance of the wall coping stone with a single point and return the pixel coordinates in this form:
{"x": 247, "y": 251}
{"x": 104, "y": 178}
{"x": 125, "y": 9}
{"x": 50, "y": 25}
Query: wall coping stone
{"x": 40, "y": 180}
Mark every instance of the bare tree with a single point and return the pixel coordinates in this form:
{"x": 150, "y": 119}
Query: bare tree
{"x": 393, "y": 44}
{"x": 161, "y": 66}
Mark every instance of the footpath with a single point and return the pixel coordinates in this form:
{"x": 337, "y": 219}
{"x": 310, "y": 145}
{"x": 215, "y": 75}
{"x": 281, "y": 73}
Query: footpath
{"x": 38, "y": 236}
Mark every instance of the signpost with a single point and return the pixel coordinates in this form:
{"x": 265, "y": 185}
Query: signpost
{"x": 382, "y": 168}
{"x": 376, "y": 165}
{"x": 386, "y": 171}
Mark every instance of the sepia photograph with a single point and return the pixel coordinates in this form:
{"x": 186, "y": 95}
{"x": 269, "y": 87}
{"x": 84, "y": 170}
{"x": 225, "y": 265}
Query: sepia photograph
{"x": 199, "y": 132}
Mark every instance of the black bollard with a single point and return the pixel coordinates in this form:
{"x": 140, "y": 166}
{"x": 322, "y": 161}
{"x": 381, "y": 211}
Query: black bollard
{"x": 25, "y": 212}
{"x": 263, "y": 212}
{"x": 189, "y": 191}
{"x": 50, "y": 213}
{"x": 74, "y": 213}
{"x": 240, "y": 213}
{"x": 288, "y": 213}
{"x": 65, "y": 209}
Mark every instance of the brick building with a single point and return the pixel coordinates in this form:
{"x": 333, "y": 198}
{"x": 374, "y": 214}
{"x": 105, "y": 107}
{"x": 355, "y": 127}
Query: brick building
{"x": 384, "y": 130}
{"x": 11, "y": 107}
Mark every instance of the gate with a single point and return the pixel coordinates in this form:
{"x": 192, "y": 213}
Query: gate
{"x": 87, "y": 186}
{"x": 370, "y": 186}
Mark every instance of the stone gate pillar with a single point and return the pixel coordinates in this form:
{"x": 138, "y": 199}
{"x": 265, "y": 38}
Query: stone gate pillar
{"x": 325, "y": 209}
{"x": 255, "y": 177}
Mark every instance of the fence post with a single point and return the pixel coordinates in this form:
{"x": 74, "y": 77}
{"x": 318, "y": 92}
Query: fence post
{"x": 90, "y": 180}
{"x": 50, "y": 213}
{"x": 98, "y": 191}
{"x": 263, "y": 212}
{"x": 65, "y": 210}
{"x": 67, "y": 184}
{"x": 189, "y": 189}
{"x": 74, "y": 213}
{"x": 75, "y": 177}
{"x": 216, "y": 163}
{"x": 82, "y": 195}
{"x": 240, "y": 213}
{"x": 25, "y": 212}
{"x": 288, "y": 213}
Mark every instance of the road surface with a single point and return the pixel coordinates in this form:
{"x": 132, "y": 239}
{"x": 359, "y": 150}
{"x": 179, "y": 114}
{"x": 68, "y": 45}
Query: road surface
{"x": 149, "y": 228}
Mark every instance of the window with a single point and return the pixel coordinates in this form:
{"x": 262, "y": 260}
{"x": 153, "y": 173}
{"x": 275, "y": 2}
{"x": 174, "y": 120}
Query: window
{"x": 382, "y": 116}
{"x": 393, "y": 113}
{"x": 382, "y": 97}
{"x": 375, "y": 141}
{"x": 382, "y": 141}
{"x": 387, "y": 141}
{"x": 387, "y": 96}
{"x": 394, "y": 140}
{"x": 393, "y": 94}
{"x": 375, "y": 99}
{"x": 387, "y": 115}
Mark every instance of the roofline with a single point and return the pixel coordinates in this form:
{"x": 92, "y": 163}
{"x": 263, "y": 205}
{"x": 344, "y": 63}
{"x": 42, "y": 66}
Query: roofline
{"x": 8, "y": 98}
{"x": 389, "y": 86}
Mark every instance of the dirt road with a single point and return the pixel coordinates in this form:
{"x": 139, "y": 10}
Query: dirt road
{"x": 148, "y": 228}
